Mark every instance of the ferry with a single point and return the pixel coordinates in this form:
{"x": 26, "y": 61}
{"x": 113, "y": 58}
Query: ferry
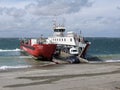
{"x": 45, "y": 49}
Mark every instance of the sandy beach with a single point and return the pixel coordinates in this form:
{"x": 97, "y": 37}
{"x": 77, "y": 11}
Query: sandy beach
{"x": 97, "y": 76}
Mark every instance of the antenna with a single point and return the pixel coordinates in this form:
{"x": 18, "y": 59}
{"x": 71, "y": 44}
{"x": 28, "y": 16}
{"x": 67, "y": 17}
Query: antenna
{"x": 80, "y": 32}
{"x": 55, "y": 21}
{"x": 63, "y": 24}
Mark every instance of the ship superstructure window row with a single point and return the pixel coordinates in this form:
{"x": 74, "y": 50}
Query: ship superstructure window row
{"x": 59, "y": 30}
{"x": 59, "y": 39}
{"x": 62, "y": 39}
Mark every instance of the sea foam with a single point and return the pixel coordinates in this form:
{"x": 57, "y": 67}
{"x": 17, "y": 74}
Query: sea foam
{"x": 112, "y": 60}
{"x": 13, "y": 67}
{"x": 9, "y": 50}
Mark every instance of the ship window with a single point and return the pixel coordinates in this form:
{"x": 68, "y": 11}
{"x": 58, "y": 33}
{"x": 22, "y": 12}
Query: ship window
{"x": 71, "y": 39}
{"x": 60, "y": 30}
{"x": 55, "y": 30}
{"x": 74, "y": 50}
{"x": 64, "y": 39}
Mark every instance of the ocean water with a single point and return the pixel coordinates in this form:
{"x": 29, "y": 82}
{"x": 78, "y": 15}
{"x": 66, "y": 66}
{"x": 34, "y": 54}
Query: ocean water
{"x": 11, "y": 57}
{"x": 104, "y": 49}
{"x": 100, "y": 50}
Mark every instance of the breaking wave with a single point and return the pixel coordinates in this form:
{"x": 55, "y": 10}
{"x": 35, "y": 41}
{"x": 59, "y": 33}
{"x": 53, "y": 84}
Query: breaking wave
{"x": 13, "y": 67}
{"x": 106, "y": 61}
{"x": 9, "y": 50}
{"x": 112, "y": 60}
{"x": 105, "y": 58}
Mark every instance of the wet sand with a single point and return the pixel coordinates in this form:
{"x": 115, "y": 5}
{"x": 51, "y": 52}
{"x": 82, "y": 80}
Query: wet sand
{"x": 99, "y": 76}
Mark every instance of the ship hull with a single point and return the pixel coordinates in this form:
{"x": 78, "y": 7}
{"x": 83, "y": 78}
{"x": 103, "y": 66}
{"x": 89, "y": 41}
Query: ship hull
{"x": 40, "y": 51}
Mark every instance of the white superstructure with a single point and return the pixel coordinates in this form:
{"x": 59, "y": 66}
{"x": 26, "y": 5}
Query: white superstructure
{"x": 72, "y": 41}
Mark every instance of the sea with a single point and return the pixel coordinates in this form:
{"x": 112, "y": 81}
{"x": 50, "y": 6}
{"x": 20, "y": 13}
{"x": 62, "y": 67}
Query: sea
{"x": 101, "y": 50}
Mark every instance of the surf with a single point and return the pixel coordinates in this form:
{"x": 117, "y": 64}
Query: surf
{"x": 9, "y": 50}
{"x": 14, "y": 67}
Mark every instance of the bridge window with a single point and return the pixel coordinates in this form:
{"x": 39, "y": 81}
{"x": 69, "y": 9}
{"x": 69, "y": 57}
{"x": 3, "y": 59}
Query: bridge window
{"x": 59, "y": 30}
{"x": 64, "y": 39}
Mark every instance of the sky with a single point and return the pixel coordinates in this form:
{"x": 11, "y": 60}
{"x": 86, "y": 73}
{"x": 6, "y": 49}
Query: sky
{"x": 31, "y": 18}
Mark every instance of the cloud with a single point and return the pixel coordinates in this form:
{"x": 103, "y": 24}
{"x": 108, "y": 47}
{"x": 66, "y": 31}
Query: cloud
{"x": 56, "y": 7}
{"x": 12, "y": 11}
{"x": 118, "y": 7}
{"x": 15, "y": 12}
{"x": 33, "y": 17}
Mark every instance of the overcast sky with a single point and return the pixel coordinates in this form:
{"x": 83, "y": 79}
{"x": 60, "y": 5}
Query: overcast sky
{"x": 30, "y": 18}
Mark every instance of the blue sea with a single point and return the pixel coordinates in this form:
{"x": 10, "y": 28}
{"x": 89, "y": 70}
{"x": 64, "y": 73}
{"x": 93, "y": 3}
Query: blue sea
{"x": 104, "y": 49}
{"x": 100, "y": 50}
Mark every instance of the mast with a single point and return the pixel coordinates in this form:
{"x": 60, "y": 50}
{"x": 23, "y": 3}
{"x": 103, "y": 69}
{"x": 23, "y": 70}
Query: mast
{"x": 59, "y": 29}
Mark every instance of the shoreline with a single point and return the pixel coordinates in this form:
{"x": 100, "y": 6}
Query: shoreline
{"x": 102, "y": 76}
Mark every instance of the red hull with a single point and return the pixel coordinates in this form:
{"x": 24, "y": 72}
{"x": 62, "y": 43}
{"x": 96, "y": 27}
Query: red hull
{"x": 44, "y": 51}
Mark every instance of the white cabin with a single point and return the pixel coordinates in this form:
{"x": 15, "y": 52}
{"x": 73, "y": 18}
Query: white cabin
{"x": 33, "y": 41}
{"x": 69, "y": 40}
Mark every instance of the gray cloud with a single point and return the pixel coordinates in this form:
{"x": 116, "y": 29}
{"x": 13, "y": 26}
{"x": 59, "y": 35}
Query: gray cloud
{"x": 118, "y": 7}
{"x": 12, "y": 11}
{"x": 57, "y": 7}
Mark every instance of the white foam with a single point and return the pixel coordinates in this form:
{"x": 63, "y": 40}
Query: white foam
{"x": 107, "y": 61}
{"x": 9, "y": 50}
{"x": 13, "y": 67}
{"x": 112, "y": 60}
{"x": 25, "y": 57}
